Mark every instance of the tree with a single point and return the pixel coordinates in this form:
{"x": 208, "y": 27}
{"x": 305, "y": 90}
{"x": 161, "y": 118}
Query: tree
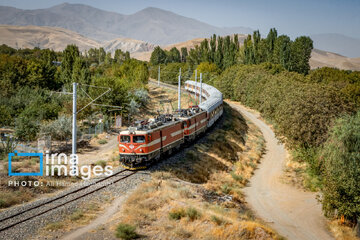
{"x": 212, "y": 48}
{"x": 300, "y": 54}
{"x": 271, "y": 39}
{"x": 341, "y": 158}
{"x": 70, "y": 54}
{"x": 158, "y": 56}
{"x": 210, "y": 72}
{"x": 219, "y": 53}
{"x": 184, "y": 54}
{"x": 80, "y": 73}
{"x": 282, "y": 51}
{"x": 173, "y": 55}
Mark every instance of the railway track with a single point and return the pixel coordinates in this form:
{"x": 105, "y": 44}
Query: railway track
{"x": 43, "y": 208}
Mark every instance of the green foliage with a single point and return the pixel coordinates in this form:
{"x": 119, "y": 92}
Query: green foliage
{"x": 293, "y": 56}
{"x": 59, "y": 129}
{"x": 70, "y": 54}
{"x": 126, "y": 231}
{"x": 348, "y": 82}
{"x": 102, "y": 141}
{"x": 341, "y": 160}
{"x": 158, "y": 56}
{"x": 301, "y": 111}
{"x": 210, "y": 72}
{"x": 170, "y": 73}
{"x": 300, "y": 54}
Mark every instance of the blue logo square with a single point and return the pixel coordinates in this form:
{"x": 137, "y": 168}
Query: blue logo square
{"x": 15, "y": 153}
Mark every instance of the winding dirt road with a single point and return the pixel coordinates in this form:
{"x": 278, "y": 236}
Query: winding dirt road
{"x": 295, "y": 214}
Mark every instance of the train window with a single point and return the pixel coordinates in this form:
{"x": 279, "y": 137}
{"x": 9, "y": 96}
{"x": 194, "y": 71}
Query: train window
{"x": 124, "y": 138}
{"x": 139, "y": 139}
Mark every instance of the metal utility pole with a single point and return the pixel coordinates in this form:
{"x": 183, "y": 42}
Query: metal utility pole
{"x": 159, "y": 76}
{"x": 74, "y": 120}
{"x": 179, "y": 91}
{"x": 195, "y": 86}
{"x": 200, "y": 88}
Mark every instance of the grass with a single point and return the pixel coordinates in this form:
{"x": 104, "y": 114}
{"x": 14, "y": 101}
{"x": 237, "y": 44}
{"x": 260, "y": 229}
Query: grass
{"x": 55, "y": 226}
{"x": 10, "y": 198}
{"x": 102, "y": 141}
{"x": 101, "y": 163}
{"x": 126, "y": 231}
{"x": 77, "y": 215}
{"x": 217, "y": 220}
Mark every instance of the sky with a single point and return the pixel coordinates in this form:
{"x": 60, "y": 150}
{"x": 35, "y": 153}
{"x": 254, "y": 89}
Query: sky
{"x": 294, "y": 18}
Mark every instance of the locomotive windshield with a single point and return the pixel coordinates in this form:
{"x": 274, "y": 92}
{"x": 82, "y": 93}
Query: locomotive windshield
{"x": 125, "y": 139}
{"x": 138, "y": 139}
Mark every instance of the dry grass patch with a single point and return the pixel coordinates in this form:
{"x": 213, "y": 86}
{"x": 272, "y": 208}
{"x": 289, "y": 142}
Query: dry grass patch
{"x": 342, "y": 231}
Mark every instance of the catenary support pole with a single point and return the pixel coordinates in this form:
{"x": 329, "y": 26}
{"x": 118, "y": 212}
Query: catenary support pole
{"x": 74, "y": 120}
{"x": 200, "y": 96}
{"x": 195, "y": 86}
{"x": 179, "y": 92}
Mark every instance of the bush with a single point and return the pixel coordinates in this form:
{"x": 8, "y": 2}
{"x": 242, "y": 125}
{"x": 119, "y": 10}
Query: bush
{"x": 301, "y": 111}
{"x": 217, "y": 220}
{"x": 126, "y": 231}
{"x": 102, "y": 141}
{"x": 192, "y": 213}
{"x": 341, "y": 177}
{"x": 177, "y": 213}
{"x": 101, "y": 163}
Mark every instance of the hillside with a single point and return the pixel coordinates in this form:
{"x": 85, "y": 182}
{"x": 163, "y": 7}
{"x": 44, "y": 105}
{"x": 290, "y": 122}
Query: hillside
{"x": 151, "y": 24}
{"x": 43, "y": 37}
{"x": 337, "y": 43}
{"x": 328, "y": 59}
{"x": 58, "y": 38}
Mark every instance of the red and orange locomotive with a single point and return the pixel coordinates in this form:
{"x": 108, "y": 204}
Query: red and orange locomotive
{"x": 148, "y": 140}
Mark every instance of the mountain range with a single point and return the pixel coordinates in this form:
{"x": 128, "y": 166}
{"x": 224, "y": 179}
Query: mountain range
{"x": 152, "y": 25}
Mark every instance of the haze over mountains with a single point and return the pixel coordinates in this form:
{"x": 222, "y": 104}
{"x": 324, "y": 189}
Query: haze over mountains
{"x": 150, "y": 24}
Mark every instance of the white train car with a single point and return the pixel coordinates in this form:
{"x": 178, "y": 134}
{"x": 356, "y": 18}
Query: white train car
{"x": 213, "y": 103}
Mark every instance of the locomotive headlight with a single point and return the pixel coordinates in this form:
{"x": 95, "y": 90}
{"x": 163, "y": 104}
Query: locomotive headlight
{"x": 141, "y": 150}
{"x": 123, "y": 150}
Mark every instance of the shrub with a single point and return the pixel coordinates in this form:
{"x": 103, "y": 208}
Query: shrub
{"x": 192, "y": 213}
{"x": 217, "y": 220}
{"x": 126, "y": 231}
{"x": 102, "y": 141}
{"x": 301, "y": 111}
{"x": 341, "y": 157}
{"x": 177, "y": 213}
{"x": 101, "y": 163}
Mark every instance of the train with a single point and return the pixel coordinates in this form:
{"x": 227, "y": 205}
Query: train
{"x": 147, "y": 141}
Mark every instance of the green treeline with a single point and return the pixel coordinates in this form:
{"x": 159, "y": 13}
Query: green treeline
{"x": 224, "y": 52}
{"x": 29, "y": 79}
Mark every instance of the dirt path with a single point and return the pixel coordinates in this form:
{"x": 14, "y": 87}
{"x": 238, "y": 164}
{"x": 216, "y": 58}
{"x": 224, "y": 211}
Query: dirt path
{"x": 295, "y": 214}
